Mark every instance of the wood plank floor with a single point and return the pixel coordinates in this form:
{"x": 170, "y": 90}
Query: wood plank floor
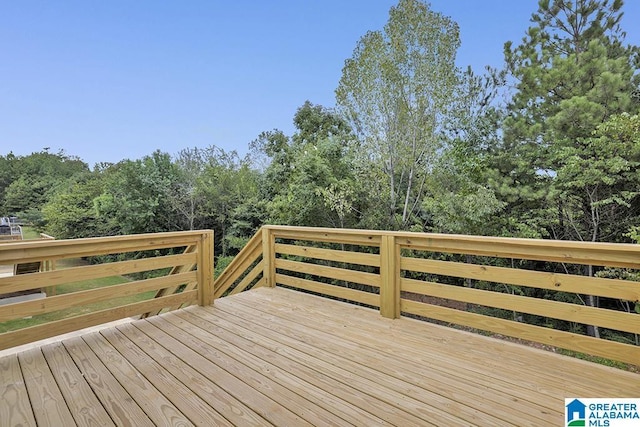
{"x": 279, "y": 357}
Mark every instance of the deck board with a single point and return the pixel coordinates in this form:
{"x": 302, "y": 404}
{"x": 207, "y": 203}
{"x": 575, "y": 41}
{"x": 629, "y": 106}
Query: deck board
{"x": 152, "y": 401}
{"x": 83, "y": 404}
{"x": 397, "y": 401}
{"x": 122, "y": 408}
{"x": 257, "y": 391}
{"x": 341, "y": 350}
{"x": 229, "y": 407}
{"x": 287, "y": 372}
{"x": 15, "y": 408}
{"x": 42, "y": 387}
{"x": 279, "y": 357}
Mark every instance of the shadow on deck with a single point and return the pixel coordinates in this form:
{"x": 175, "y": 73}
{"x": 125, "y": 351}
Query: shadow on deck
{"x": 273, "y": 356}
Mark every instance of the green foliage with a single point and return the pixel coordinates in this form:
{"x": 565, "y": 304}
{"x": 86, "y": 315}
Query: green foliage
{"x": 71, "y": 212}
{"x": 396, "y": 91}
{"x": 463, "y": 212}
{"x": 135, "y": 199}
{"x": 226, "y": 183}
{"x": 75, "y": 311}
{"x": 221, "y": 263}
{"x": 572, "y": 74}
{"x": 416, "y": 143}
{"x": 598, "y": 180}
{"x": 308, "y": 171}
{"x": 29, "y": 233}
{"x": 27, "y": 182}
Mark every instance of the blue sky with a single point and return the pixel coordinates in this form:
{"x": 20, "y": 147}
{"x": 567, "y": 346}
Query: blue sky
{"x": 116, "y": 79}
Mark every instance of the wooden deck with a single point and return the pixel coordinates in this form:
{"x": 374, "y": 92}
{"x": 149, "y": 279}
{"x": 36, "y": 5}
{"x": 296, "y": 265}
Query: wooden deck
{"x": 271, "y": 356}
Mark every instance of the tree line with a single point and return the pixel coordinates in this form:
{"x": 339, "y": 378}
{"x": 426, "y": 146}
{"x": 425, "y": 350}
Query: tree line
{"x": 545, "y": 147}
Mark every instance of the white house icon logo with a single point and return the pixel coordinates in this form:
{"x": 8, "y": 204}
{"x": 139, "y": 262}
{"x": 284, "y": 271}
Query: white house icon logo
{"x": 576, "y": 413}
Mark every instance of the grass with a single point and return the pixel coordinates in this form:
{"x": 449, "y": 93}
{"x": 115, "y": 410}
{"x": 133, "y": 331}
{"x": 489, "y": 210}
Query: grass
{"x": 29, "y": 233}
{"x": 68, "y": 288}
{"x": 75, "y": 311}
{"x": 601, "y": 360}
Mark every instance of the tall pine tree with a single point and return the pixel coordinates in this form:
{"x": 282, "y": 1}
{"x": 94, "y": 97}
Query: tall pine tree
{"x": 566, "y": 174}
{"x": 572, "y": 72}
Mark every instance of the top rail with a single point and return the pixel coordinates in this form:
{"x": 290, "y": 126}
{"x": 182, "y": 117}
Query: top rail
{"x": 587, "y": 253}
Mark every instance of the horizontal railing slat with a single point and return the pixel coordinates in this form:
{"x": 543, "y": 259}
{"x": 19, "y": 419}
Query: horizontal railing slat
{"x": 334, "y": 291}
{"x": 360, "y": 277}
{"x": 89, "y": 272}
{"x": 587, "y": 253}
{"x": 179, "y": 268}
{"x": 616, "y": 320}
{"x": 350, "y": 257}
{"x": 58, "y": 327}
{"x": 328, "y": 235}
{"x": 80, "y": 298}
{"x": 594, "y": 346}
{"x": 610, "y": 288}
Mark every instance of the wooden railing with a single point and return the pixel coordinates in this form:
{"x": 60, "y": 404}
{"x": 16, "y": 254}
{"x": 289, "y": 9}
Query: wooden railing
{"x": 8, "y": 238}
{"x": 482, "y": 283}
{"x": 179, "y": 267}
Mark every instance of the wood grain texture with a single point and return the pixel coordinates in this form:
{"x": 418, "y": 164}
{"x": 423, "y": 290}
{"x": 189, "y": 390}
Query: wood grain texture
{"x": 351, "y": 257}
{"x": 581, "y": 343}
{"x": 82, "y": 298}
{"x": 253, "y": 390}
{"x": 328, "y": 235}
{"x": 50, "y": 408}
{"x": 191, "y": 251}
{"x": 247, "y": 255}
{"x": 273, "y": 356}
{"x": 205, "y": 269}
{"x": 610, "y": 288}
{"x": 389, "y": 278}
{"x": 447, "y": 342}
{"x": 84, "y": 406}
{"x": 37, "y": 250}
{"x": 148, "y": 338}
{"x": 268, "y": 257}
{"x": 177, "y": 392}
{"x": 155, "y": 405}
{"x": 16, "y": 407}
{"x": 344, "y": 353}
{"x": 257, "y": 270}
{"x": 90, "y": 272}
{"x": 121, "y": 407}
{"x": 588, "y": 253}
{"x": 616, "y": 320}
{"x": 325, "y": 289}
{"x": 262, "y": 357}
{"x": 336, "y": 273}
{"x": 58, "y": 327}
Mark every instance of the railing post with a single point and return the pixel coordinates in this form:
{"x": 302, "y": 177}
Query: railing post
{"x": 268, "y": 257}
{"x": 205, "y": 268}
{"x": 389, "y": 277}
